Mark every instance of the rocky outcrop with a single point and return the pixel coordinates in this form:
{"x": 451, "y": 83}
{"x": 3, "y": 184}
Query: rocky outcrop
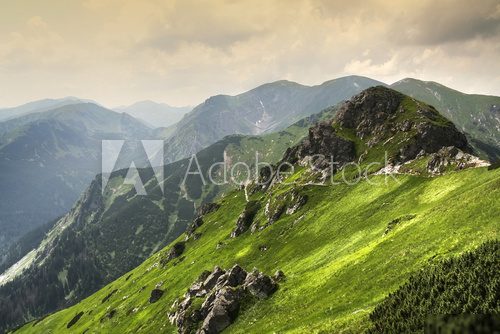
{"x": 174, "y": 252}
{"x": 207, "y": 208}
{"x": 74, "y": 320}
{"x": 246, "y": 218}
{"x": 203, "y": 210}
{"x": 191, "y": 229}
{"x": 286, "y": 203}
{"x": 378, "y": 113}
{"x": 452, "y": 158}
{"x": 213, "y": 302}
{"x": 322, "y": 141}
{"x": 375, "y": 121}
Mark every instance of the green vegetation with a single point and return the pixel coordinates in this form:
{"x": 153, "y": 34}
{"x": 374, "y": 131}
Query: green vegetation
{"x": 468, "y": 284}
{"x": 104, "y": 236}
{"x": 338, "y": 262}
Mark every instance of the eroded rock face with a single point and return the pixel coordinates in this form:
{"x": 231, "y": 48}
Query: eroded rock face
{"x": 378, "y": 113}
{"x": 222, "y": 293}
{"x": 452, "y": 158}
{"x": 323, "y": 142}
{"x": 245, "y": 219}
{"x": 288, "y": 203}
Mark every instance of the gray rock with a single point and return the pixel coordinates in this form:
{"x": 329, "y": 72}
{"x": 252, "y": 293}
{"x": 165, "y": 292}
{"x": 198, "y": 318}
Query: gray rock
{"x": 211, "y": 280}
{"x": 224, "y": 311}
{"x": 222, "y": 300}
{"x": 235, "y": 276}
{"x": 259, "y": 285}
{"x": 174, "y": 252}
{"x": 246, "y": 218}
{"x": 207, "y": 208}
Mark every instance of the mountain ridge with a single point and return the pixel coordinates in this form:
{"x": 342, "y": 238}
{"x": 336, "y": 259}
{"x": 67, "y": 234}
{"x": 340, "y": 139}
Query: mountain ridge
{"x": 329, "y": 240}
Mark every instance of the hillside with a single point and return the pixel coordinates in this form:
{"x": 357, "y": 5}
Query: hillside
{"x": 48, "y": 158}
{"x": 477, "y": 115}
{"x": 343, "y": 243}
{"x": 107, "y": 234}
{"x": 338, "y": 263}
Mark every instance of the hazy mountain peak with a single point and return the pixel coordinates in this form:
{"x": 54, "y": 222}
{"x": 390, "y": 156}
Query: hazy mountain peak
{"x": 154, "y": 114}
{"x": 38, "y": 106}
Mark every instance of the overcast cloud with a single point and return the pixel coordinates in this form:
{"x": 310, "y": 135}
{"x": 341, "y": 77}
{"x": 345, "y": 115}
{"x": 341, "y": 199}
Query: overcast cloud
{"x": 181, "y": 52}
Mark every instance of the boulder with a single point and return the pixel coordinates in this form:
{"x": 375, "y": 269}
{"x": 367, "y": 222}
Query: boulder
{"x": 195, "y": 224}
{"x": 174, "y": 252}
{"x": 225, "y": 309}
{"x": 278, "y": 276}
{"x": 259, "y": 285}
{"x": 235, "y": 276}
{"x": 156, "y": 294}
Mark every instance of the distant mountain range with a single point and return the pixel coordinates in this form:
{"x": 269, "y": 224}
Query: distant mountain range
{"x": 267, "y": 108}
{"x": 155, "y": 114}
{"x": 48, "y": 158}
{"x": 30, "y": 138}
{"x": 50, "y": 133}
{"x": 38, "y": 106}
{"x": 55, "y": 153}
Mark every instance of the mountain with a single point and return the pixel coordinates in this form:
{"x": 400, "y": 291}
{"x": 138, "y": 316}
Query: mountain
{"x": 267, "y": 108}
{"x": 48, "y": 158}
{"x": 339, "y": 232}
{"x": 155, "y": 114}
{"x": 37, "y": 106}
{"x": 109, "y": 233}
{"x": 477, "y": 115}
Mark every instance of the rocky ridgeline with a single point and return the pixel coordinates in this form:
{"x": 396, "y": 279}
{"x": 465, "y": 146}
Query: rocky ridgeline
{"x": 212, "y": 303}
{"x": 452, "y": 158}
{"x": 377, "y": 114}
{"x": 382, "y": 120}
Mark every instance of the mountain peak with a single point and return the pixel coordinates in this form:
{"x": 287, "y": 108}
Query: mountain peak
{"x": 375, "y": 122}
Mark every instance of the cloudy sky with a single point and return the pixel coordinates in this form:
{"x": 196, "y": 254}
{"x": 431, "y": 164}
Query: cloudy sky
{"x": 181, "y": 52}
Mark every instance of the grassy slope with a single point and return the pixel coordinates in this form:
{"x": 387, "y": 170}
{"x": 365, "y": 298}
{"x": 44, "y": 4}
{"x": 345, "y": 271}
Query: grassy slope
{"x": 338, "y": 263}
